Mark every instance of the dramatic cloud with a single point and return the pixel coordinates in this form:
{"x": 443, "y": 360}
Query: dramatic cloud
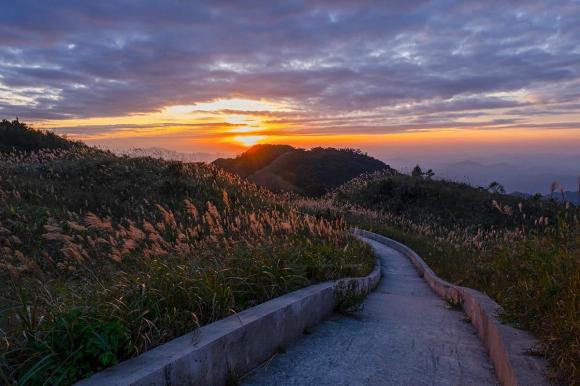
{"x": 345, "y": 66}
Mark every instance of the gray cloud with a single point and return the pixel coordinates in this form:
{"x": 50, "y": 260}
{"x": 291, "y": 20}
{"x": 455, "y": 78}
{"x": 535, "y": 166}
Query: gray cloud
{"x": 402, "y": 58}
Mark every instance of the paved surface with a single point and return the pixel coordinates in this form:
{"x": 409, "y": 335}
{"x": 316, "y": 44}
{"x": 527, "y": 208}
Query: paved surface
{"x": 405, "y": 335}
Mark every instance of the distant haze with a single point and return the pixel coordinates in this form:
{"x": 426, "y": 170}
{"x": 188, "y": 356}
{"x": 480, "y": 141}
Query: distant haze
{"x": 516, "y": 175}
{"x": 525, "y": 173}
{"x": 517, "y": 172}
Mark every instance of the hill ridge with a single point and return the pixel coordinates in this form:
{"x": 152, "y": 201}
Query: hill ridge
{"x": 312, "y": 172}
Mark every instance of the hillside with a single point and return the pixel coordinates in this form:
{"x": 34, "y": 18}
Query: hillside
{"x": 106, "y": 257}
{"x": 439, "y": 201}
{"x": 308, "y": 172}
{"x": 15, "y": 135}
{"x": 523, "y": 252}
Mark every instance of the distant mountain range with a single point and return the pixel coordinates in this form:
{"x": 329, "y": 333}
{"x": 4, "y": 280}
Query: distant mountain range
{"x": 309, "y": 172}
{"x": 573, "y": 197}
{"x": 565, "y": 196}
{"x": 528, "y": 179}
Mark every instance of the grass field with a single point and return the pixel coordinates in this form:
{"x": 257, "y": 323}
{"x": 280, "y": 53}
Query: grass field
{"x": 104, "y": 257}
{"x": 525, "y": 254}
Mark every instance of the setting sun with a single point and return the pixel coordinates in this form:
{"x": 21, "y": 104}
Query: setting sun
{"x": 249, "y": 140}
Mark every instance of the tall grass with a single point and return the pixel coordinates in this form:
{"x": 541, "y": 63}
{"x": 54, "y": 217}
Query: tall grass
{"x": 535, "y": 278}
{"x": 527, "y": 259}
{"x": 103, "y": 258}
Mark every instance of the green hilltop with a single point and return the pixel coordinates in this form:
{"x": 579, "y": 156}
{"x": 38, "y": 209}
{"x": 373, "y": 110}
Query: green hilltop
{"x": 307, "y": 172}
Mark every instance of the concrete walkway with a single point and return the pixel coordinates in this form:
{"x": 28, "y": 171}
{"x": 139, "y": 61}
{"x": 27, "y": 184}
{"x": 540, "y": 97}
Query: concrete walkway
{"x": 405, "y": 335}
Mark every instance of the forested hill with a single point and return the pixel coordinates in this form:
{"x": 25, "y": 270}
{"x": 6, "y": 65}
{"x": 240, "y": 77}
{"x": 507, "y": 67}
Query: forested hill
{"x": 309, "y": 172}
{"x": 15, "y": 135}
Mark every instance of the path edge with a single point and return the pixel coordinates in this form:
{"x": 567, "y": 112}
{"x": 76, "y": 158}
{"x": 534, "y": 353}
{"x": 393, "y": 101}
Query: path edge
{"x": 509, "y": 348}
{"x": 223, "y": 351}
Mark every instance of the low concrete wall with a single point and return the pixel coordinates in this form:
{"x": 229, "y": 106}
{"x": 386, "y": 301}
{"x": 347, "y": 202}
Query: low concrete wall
{"x": 508, "y": 347}
{"x": 229, "y": 348}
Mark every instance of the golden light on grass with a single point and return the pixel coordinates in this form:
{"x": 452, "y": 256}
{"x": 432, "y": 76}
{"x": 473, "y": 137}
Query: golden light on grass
{"x": 161, "y": 248}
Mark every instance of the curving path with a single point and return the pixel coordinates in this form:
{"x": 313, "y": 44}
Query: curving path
{"x": 405, "y": 335}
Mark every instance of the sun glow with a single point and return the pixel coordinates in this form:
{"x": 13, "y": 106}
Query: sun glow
{"x": 218, "y": 119}
{"x": 235, "y": 104}
{"x": 249, "y": 140}
{"x": 246, "y": 129}
{"x": 223, "y": 124}
{"x": 239, "y": 119}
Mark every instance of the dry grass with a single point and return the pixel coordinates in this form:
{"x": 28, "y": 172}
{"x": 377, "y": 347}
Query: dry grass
{"x": 103, "y": 258}
{"x": 530, "y": 264}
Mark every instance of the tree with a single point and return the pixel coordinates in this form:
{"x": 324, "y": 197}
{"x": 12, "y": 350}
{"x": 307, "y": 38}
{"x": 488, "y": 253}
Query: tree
{"x": 417, "y": 172}
{"x": 496, "y": 187}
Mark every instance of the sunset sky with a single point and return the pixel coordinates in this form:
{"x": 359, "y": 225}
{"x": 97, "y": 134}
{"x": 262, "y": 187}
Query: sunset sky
{"x": 433, "y": 77}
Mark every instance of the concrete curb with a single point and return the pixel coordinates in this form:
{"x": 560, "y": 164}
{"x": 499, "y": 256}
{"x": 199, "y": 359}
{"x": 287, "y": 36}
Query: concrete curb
{"x": 224, "y": 350}
{"x": 508, "y": 347}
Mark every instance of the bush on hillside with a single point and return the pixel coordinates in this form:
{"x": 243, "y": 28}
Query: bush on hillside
{"x": 15, "y": 135}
